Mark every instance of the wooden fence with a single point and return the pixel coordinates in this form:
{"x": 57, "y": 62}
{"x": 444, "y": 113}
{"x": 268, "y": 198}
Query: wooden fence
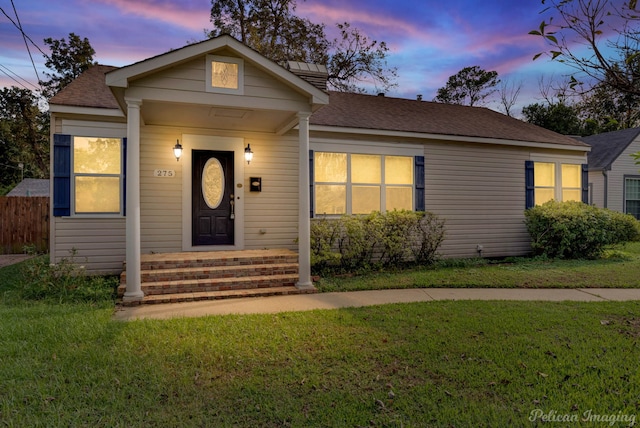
{"x": 24, "y": 221}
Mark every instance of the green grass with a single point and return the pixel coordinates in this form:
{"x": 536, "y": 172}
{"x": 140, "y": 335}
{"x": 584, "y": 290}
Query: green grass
{"x": 449, "y": 364}
{"x": 425, "y": 364}
{"x": 618, "y": 269}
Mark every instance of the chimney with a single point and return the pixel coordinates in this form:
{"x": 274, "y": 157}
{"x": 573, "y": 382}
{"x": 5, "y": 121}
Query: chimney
{"x": 316, "y": 74}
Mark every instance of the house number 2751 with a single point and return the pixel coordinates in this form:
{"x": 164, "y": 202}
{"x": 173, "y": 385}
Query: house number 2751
{"x": 164, "y": 173}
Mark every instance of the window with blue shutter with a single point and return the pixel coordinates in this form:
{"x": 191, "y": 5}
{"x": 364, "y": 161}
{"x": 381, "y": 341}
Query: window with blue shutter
{"x": 585, "y": 183}
{"x": 94, "y": 183}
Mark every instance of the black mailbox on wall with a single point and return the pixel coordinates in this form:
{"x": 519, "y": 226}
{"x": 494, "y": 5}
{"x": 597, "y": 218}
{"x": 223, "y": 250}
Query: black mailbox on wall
{"x": 255, "y": 184}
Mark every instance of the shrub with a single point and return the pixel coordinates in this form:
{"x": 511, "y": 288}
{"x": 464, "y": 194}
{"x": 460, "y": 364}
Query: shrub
{"x": 356, "y": 243}
{"x": 65, "y": 281}
{"x": 575, "y": 230}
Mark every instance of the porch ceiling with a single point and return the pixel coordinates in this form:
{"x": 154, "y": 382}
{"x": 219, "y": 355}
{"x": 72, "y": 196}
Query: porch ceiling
{"x": 214, "y": 117}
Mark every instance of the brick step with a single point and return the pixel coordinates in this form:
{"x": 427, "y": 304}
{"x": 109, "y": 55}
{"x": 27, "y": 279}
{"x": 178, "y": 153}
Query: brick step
{"x": 217, "y": 259}
{"x": 217, "y": 295}
{"x": 214, "y": 284}
{"x": 189, "y": 273}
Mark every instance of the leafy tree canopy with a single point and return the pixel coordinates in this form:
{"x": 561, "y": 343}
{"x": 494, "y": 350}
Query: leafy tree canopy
{"x": 272, "y": 28}
{"x": 558, "y": 117}
{"x": 470, "y": 86}
{"x": 67, "y": 60}
{"x": 609, "y": 30}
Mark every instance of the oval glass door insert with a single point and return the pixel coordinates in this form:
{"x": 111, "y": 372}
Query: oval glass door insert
{"x": 213, "y": 183}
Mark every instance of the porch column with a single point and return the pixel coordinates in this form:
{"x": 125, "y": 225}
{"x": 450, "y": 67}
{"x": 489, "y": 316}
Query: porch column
{"x": 134, "y": 289}
{"x": 304, "y": 222}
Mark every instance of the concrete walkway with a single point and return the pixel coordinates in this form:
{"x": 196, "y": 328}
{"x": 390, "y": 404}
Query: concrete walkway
{"x": 11, "y": 259}
{"x": 306, "y": 302}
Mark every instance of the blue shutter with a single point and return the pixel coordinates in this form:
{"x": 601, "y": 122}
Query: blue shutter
{"x": 124, "y": 177}
{"x": 61, "y": 175}
{"x": 585, "y": 183}
{"x": 311, "y": 183}
{"x": 418, "y": 180}
{"x": 529, "y": 185}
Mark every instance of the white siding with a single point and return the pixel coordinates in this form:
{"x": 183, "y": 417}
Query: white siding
{"x": 596, "y": 188}
{"x": 99, "y": 242}
{"x": 624, "y": 165}
{"x": 190, "y": 78}
{"x": 479, "y": 191}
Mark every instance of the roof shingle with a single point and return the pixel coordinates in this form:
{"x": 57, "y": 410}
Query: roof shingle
{"x": 350, "y": 110}
{"x": 88, "y": 90}
{"x": 607, "y": 147}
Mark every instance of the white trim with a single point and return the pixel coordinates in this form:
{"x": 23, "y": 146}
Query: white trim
{"x": 229, "y": 60}
{"x": 367, "y": 147}
{"x": 209, "y": 142}
{"x": 87, "y": 111}
{"x": 443, "y": 137}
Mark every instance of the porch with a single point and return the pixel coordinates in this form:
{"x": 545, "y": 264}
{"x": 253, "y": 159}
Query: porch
{"x": 196, "y": 276}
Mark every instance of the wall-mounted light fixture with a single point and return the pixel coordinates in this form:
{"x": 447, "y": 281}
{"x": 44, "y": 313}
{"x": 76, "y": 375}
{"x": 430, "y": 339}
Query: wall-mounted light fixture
{"x": 248, "y": 154}
{"x": 177, "y": 150}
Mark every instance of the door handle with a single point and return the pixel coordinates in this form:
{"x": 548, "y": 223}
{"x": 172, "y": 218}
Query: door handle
{"x": 233, "y": 207}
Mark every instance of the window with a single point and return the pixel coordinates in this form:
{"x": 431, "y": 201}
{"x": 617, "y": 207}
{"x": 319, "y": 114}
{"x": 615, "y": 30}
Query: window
{"x": 632, "y": 196}
{"x": 362, "y": 183}
{"x": 88, "y": 175}
{"x": 554, "y": 181}
{"x": 97, "y": 175}
{"x": 225, "y": 74}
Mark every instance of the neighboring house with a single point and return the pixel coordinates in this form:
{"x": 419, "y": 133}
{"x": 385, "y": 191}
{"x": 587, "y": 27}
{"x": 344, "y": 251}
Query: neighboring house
{"x": 614, "y": 177}
{"x": 118, "y": 191}
{"x": 31, "y": 187}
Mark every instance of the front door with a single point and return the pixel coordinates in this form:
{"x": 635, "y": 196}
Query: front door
{"x": 212, "y": 198}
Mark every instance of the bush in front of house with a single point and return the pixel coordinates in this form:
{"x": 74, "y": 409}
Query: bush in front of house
{"x": 64, "y": 282}
{"x": 574, "y": 230}
{"x": 362, "y": 242}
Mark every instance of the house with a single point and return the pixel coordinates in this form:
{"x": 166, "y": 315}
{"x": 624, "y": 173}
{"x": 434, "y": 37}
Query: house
{"x": 265, "y": 149}
{"x": 614, "y": 177}
{"x": 31, "y": 187}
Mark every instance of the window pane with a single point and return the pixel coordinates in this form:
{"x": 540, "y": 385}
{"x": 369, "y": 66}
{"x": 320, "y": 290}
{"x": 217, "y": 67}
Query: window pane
{"x": 366, "y": 169}
{"x": 365, "y": 199}
{"x": 398, "y": 170}
{"x": 543, "y": 195}
{"x": 632, "y": 189}
{"x": 96, "y": 155}
{"x": 571, "y": 195}
{"x": 571, "y": 176}
{"x": 544, "y": 174}
{"x": 224, "y": 75}
{"x": 331, "y": 199}
{"x": 633, "y": 208}
{"x": 330, "y": 167}
{"x": 399, "y": 198}
{"x": 97, "y": 194}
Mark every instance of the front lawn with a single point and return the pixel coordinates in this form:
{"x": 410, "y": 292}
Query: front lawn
{"x": 481, "y": 364}
{"x": 618, "y": 269}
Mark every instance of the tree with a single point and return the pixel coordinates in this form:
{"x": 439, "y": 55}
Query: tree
{"x": 610, "y": 32}
{"x": 558, "y": 117}
{"x": 67, "y": 61}
{"x": 24, "y": 136}
{"x": 609, "y": 109}
{"x": 470, "y": 86}
{"x": 509, "y": 93}
{"x": 272, "y": 28}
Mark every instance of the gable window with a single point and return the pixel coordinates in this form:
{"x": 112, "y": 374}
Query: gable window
{"x": 555, "y": 181}
{"x": 351, "y": 183}
{"x": 88, "y": 175}
{"x": 225, "y": 74}
{"x": 632, "y": 196}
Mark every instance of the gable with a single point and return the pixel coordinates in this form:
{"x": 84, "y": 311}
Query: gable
{"x": 606, "y": 148}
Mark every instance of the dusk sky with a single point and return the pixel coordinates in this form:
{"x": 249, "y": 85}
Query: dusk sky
{"x": 429, "y": 40}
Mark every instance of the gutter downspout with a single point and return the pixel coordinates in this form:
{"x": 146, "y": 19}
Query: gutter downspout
{"x": 605, "y": 173}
